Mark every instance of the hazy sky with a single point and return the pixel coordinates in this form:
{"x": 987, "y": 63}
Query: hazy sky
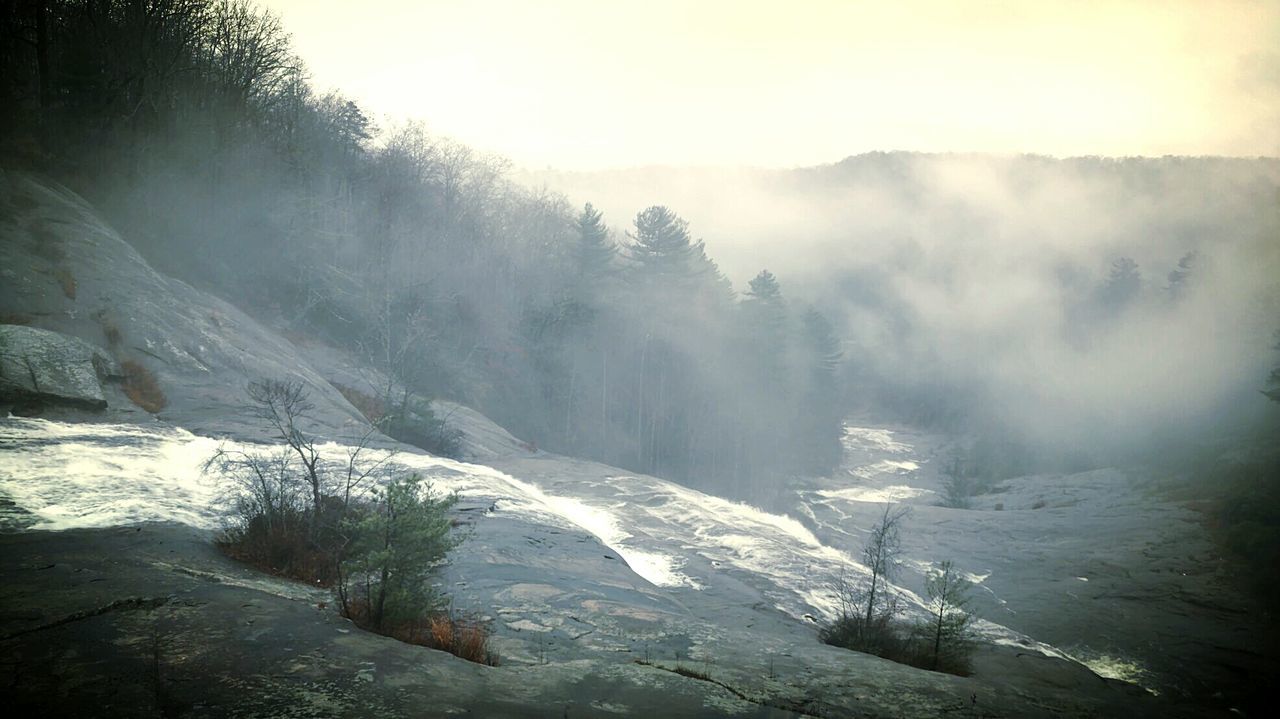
{"x": 586, "y": 84}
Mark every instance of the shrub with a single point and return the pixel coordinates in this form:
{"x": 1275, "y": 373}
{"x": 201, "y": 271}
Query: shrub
{"x": 269, "y": 521}
{"x": 461, "y": 636}
{"x": 141, "y": 387}
{"x": 896, "y": 640}
{"x": 110, "y": 331}
{"x": 957, "y": 485}
{"x": 427, "y": 432}
{"x": 394, "y": 544}
{"x": 47, "y": 244}
{"x": 14, "y": 318}
{"x": 66, "y": 281}
{"x": 868, "y": 620}
{"x": 1246, "y": 521}
{"x": 371, "y": 407}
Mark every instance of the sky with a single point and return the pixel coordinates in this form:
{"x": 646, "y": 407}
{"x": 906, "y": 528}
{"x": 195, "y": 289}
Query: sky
{"x": 593, "y": 84}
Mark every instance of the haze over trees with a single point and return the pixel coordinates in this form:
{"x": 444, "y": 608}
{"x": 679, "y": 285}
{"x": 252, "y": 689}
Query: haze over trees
{"x": 194, "y": 126}
{"x": 1012, "y": 299}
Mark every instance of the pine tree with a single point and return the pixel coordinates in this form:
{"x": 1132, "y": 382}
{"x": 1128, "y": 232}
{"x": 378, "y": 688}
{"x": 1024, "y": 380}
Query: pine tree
{"x": 596, "y": 251}
{"x": 662, "y": 246}
{"x": 821, "y": 412}
{"x": 1122, "y": 285}
{"x": 1178, "y": 278}
{"x": 393, "y": 548}
{"x": 1273, "y": 381}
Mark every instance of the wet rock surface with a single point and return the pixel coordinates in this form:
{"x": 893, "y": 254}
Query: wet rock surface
{"x": 601, "y": 586}
{"x": 42, "y": 367}
{"x": 152, "y": 621}
{"x": 208, "y": 638}
{"x": 62, "y": 268}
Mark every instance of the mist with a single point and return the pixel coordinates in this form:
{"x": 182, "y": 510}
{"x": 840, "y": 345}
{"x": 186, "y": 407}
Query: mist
{"x": 304, "y": 399}
{"x": 983, "y": 279}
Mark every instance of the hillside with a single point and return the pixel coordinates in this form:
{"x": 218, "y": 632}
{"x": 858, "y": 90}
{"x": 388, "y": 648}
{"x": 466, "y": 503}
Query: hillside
{"x": 599, "y": 583}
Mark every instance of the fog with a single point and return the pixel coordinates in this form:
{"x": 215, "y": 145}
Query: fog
{"x": 1007, "y": 421}
{"x": 983, "y": 279}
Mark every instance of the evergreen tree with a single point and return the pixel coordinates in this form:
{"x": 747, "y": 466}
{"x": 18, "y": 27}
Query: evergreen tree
{"x": 1273, "y": 381}
{"x": 1122, "y": 285}
{"x": 393, "y": 549}
{"x": 596, "y": 251}
{"x": 821, "y": 413}
{"x": 766, "y": 317}
{"x": 1179, "y": 277}
{"x": 661, "y": 244}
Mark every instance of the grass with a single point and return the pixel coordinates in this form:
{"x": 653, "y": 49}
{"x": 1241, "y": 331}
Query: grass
{"x": 898, "y": 641}
{"x": 14, "y": 318}
{"x": 110, "y": 331}
{"x": 47, "y": 244}
{"x": 1240, "y": 503}
{"x": 281, "y": 548}
{"x": 371, "y": 407}
{"x": 66, "y": 281}
{"x": 448, "y": 631}
{"x": 142, "y": 388}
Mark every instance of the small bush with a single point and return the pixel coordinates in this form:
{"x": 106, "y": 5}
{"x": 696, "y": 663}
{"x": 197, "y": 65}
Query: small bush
{"x": 281, "y": 548}
{"x": 47, "y": 244}
{"x": 896, "y": 640}
{"x": 461, "y": 636}
{"x": 395, "y": 542}
{"x": 141, "y": 387}
{"x": 13, "y": 318}
{"x": 66, "y": 281}
{"x": 269, "y": 522}
{"x": 111, "y": 332}
{"x": 371, "y": 407}
{"x": 957, "y": 485}
{"x": 428, "y": 433}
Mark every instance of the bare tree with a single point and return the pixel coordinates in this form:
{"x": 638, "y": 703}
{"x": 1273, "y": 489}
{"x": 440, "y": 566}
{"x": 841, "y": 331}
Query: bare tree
{"x": 258, "y": 485}
{"x": 949, "y": 594}
{"x": 880, "y": 555}
{"x": 957, "y": 487}
{"x": 283, "y": 403}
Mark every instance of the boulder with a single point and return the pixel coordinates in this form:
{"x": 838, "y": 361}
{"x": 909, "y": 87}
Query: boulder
{"x": 39, "y": 366}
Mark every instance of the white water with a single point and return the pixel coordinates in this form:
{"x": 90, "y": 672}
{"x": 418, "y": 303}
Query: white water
{"x": 95, "y": 475}
{"x": 99, "y": 475}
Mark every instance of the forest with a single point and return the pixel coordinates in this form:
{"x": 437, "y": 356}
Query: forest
{"x": 194, "y": 125}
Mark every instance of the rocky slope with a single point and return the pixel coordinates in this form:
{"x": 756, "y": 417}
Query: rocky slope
{"x": 600, "y": 584}
{"x": 63, "y": 269}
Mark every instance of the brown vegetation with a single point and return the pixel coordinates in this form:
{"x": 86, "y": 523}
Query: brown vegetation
{"x": 373, "y": 408}
{"x": 109, "y": 329}
{"x": 141, "y": 387}
{"x": 14, "y": 318}
{"x": 47, "y": 245}
{"x": 66, "y": 281}
{"x": 281, "y": 549}
{"x": 448, "y": 631}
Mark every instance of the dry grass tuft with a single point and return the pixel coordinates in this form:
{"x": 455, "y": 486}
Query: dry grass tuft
{"x": 67, "y": 281}
{"x": 461, "y": 636}
{"x": 371, "y": 407}
{"x": 13, "y": 318}
{"x": 141, "y": 387}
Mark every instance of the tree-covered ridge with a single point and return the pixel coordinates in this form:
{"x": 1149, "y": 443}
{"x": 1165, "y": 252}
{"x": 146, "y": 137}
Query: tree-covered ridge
{"x": 194, "y": 125}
